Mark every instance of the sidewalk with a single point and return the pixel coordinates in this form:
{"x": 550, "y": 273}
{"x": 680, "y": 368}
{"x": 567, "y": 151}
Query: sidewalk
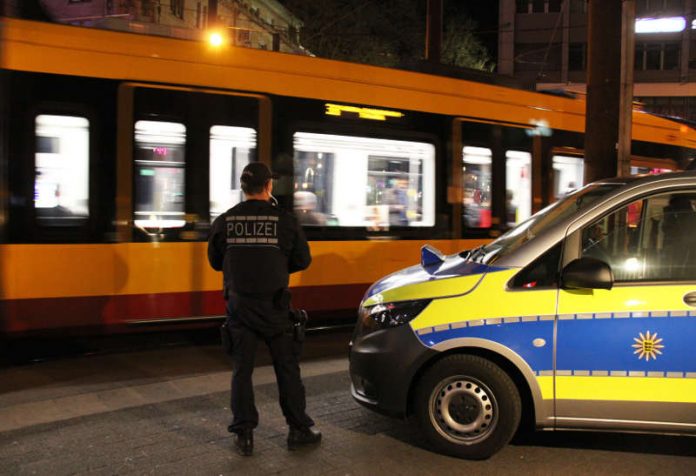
{"x": 166, "y": 412}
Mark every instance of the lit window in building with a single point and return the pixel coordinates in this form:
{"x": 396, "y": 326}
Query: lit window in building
{"x": 660, "y": 25}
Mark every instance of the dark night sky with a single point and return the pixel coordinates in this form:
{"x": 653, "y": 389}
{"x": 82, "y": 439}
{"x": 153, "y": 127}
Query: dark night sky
{"x": 485, "y": 13}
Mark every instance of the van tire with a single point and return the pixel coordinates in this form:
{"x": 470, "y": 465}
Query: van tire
{"x": 467, "y": 406}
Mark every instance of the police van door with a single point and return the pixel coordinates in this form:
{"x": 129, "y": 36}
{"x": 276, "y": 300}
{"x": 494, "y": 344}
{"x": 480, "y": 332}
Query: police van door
{"x": 624, "y": 356}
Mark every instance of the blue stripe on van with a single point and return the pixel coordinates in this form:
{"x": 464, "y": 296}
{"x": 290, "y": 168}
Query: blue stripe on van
{"x": 586, "y": 342}
{"x": 516, "y": 336}
{"x": 607, "y": 344}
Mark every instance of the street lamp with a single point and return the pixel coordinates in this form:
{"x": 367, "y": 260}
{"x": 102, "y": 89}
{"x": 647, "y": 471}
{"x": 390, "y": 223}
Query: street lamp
{"x": 216, "y": 39}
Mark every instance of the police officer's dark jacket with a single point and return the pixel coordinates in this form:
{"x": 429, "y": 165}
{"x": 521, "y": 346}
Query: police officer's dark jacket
{"x": 256, "y": 246}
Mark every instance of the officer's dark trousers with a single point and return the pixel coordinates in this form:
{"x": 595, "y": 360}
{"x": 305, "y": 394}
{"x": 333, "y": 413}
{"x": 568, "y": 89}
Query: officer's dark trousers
{"x": 287, "y": 370}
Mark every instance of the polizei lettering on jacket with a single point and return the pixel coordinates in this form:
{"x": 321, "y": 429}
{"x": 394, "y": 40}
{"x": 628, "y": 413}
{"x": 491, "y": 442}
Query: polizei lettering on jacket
{"x": 252, "y": 230}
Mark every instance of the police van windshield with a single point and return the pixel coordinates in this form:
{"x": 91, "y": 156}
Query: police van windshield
{"x": 570, "y": 204}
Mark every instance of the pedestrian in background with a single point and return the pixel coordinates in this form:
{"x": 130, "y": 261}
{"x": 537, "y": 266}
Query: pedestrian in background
{"x": 256, "y": 246}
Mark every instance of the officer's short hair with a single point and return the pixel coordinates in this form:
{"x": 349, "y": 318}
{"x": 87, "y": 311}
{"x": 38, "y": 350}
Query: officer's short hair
{"x": 254, "y": 177}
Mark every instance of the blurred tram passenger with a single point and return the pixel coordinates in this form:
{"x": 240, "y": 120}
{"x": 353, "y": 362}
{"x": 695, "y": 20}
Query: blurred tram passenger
{"x": 306, "y": 209}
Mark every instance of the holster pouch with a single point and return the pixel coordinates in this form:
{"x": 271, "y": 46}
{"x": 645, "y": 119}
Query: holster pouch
{"x": 281, "y": 298}
{"x": 226, "y": 338}
{"x": 298, "y": 317}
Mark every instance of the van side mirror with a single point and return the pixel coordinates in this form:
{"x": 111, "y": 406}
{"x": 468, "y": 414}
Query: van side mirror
{"x": 587, "y": 273}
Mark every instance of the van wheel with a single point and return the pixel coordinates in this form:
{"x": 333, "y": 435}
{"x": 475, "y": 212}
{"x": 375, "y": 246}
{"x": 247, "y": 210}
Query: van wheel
{"x": 467, "y": 406}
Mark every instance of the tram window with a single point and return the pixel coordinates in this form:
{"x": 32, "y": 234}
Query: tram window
{"x": 361, "y": 181}
{"x": 61, "y": 184}
{"x": 231, "y": 149}
{"x": 518, "y": 193}
{"x": 159, "y": 174}
{"x": 568, "y": 174}
{"x": 642, "y": 170}
{"x": 477, "y": 186}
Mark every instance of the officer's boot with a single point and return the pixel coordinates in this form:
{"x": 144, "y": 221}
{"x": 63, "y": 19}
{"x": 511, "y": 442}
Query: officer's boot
{"x": 301, "y": 437}
{"x": 245, "y": 442}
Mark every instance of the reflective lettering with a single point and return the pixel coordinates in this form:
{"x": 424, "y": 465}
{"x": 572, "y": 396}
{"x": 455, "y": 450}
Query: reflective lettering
{"x": 261, "y": 230}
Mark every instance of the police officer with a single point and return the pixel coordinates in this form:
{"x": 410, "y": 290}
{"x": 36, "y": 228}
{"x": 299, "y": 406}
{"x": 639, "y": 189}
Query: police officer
{"x": 256, "y": 246}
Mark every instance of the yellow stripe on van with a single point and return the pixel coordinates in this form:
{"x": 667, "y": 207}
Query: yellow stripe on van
{"x": 427, "y": 289}
{"x": 490, "y": 299}
{"x": 625, "y": 299}
{"x": 546, "y": 387}
{"x": 634, "y": 389}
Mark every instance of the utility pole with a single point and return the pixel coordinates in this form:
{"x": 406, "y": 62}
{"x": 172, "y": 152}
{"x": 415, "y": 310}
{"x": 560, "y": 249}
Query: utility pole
{"x": 603, "y": 88}
{"x": 433, "y": 31}
{"x": 628, "y": 46}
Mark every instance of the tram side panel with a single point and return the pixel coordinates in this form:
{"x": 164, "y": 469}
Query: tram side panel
{"x": 63, "y": 267}
{"x": 60, "y": 154}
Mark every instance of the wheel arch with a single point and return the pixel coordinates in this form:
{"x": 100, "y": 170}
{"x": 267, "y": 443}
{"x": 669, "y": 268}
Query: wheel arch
{"x": 535, "y": 411}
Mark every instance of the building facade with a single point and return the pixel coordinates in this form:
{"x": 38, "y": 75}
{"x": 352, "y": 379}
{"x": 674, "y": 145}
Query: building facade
{"x": 263, "y": 24}
{"x": 543, "y": 43}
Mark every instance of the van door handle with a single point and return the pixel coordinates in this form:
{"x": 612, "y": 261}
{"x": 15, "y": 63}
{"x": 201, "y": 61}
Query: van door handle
{"x": 690, "y": 299}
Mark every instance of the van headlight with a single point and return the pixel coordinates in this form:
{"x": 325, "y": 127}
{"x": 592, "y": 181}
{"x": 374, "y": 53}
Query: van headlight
{"x": 392, "y": 314}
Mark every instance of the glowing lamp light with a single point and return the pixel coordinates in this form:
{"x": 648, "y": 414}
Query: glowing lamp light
{"x": 660, "y": 25}
{"x": 632, "y": 265}
{"x": 215, "y": 39}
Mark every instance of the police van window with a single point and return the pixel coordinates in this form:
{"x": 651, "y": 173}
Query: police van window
{"x": 568, "y": 174}
{"x": 518, "y": 186}
{"x": 573, "y": 203}
{"x": 360, "y": 181}
{"x": 476, "y": 177}
{"x": 541, "y": 273}
{"x": 231, "y": 149}
{"x": 61, "y": 184}
{"x": 159, "y": 174}
{"x": 648, "y": 240}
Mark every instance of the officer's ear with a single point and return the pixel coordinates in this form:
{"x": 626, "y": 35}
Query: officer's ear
{"x": 269, "y": 187}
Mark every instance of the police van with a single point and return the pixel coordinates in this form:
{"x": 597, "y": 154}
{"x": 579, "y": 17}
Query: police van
{"x": 583, "y": 316}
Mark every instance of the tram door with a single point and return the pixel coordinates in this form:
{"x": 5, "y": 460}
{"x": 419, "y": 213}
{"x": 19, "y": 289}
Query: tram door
{"x": 494, "y": 163}
{"x": 182, "y": 157}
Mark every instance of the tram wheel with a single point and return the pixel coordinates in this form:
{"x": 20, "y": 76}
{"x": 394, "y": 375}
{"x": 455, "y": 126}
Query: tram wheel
{"x": 467, "y": 406}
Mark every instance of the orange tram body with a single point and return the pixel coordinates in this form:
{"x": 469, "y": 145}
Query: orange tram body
{"x": 117, "y": 150}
